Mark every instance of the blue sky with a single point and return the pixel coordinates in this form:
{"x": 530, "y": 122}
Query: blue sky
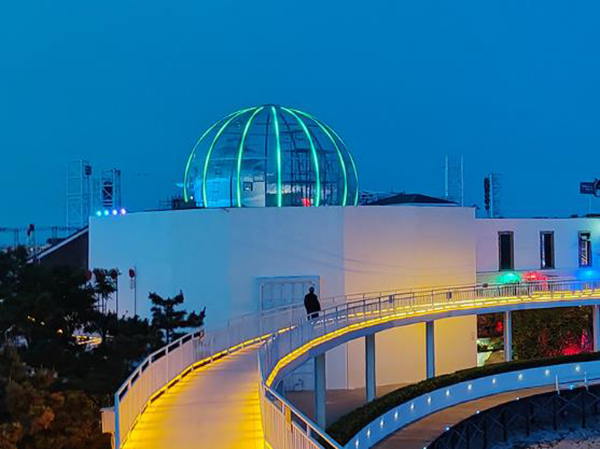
{"x": 513, "y": 86}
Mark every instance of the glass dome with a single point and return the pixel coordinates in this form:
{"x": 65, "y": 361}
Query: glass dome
{"x": 270, "y": 156}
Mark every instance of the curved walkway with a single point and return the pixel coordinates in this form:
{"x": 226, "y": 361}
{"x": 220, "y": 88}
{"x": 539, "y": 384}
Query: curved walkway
{"x": 420, "y": 434}
{"x": 216, "y": 406}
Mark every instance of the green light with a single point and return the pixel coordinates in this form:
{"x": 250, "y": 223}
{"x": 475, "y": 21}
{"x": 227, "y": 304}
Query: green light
{"x": 345, "y": 197}
{"x": 241, "y": 152}
{"x": 189, "y": 162}
{"x": 509, "y": 278}
{"x": 314, "y": 154}
{"x": 276, "y": 124}
{"x": 351, "y": 161}
{"x": 210, "y": 150}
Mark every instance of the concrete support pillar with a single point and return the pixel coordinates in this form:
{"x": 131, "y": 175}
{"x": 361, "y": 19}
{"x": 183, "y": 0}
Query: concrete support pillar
{"x": 596, "y": 324}
{"x": 430, "y": 348}
{"x": 508, "y": 355}
{"x": 371, "y": 383}
{"x": 320, "y": 391}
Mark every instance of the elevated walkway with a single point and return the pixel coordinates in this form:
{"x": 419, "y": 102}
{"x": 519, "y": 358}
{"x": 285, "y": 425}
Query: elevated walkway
{"x": 217, "y": 390}
{"x": 421, "y": 433}
{"x": 214, "y": 407}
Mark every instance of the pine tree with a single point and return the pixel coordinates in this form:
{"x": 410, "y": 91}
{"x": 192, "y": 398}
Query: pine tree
{"x": 168, "y": 319}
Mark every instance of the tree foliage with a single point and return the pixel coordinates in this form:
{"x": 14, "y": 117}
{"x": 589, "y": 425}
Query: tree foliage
{"x": 51, "y": 386}
{"x": 168, "y": 319}
{"x": 551, "y": 332}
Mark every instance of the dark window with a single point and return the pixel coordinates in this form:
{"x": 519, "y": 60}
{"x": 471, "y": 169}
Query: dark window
{"x": 506, "y": 250}
{"x": 547, "y": 249}
{"x": 585, "y": 249}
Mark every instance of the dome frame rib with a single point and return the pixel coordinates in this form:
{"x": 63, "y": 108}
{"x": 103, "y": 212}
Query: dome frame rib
{"x": 241, "y": 153}
{"x": 339, "y": 153}
{"x": 313, "y": 150}
{"x": 210, "y": 150}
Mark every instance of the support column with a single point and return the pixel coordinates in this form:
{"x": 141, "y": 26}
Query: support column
{"x": 508, "y": 356}
{"x": 320, "y": 390}
{"x": 371, "y": 382}
{"x": 596, "y": 325}
{"x": 430, "y": 348}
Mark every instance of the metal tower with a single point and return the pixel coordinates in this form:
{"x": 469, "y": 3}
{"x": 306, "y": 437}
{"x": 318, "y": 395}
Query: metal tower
{"x": 111, "y": 189}
{"x": 78, "y": 193}
{"x": 454, "y": 180}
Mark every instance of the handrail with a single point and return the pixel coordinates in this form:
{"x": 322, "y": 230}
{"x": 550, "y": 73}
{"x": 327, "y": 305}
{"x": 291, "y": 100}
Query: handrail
{"x": 288, "y": 330}
{"x": 431, "y": 402}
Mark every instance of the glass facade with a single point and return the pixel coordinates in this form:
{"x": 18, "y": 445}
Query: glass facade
{"x": 270, "y": 156}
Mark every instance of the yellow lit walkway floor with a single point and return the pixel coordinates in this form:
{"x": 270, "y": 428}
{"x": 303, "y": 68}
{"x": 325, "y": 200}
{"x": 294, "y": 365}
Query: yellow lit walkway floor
{"x": 214, "y": 407}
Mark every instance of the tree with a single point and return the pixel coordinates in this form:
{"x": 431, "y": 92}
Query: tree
{"x": 551, "y": 332}
{"x": 168, "y": 319}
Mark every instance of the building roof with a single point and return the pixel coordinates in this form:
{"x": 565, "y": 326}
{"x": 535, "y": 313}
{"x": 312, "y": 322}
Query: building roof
{"x": 411, "y": 198}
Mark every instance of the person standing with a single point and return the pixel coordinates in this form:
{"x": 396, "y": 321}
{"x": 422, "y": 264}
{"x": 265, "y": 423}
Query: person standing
{"x": 311, "y": 303}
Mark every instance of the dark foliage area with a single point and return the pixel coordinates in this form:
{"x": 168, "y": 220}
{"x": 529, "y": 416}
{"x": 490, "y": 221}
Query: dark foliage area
{"x": 51, "y": 385}
{"x": 349, "y": 425}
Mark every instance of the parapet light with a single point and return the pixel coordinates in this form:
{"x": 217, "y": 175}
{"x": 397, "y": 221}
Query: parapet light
{"x": 113, "y": 212}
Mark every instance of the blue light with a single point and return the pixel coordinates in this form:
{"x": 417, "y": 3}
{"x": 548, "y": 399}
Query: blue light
{"x": 588, "y": 273}
{"x": 106, "y": 213}
{"x": 123, "y": 211}
{"x": 114, "y": 212}
{"x": 98, "y": 213}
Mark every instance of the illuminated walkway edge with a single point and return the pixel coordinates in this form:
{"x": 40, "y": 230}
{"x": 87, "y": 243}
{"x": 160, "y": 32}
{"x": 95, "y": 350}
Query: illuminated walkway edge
{"x": 286, "y": 346}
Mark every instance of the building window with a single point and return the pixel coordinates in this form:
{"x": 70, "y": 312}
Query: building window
{"x": 585, "y": 249}
{"x": 506, "y": 250}
{"x": 547, "y": 249}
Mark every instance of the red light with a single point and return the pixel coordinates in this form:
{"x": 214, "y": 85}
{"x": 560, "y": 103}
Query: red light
{"x": 306, "y": 202}
{"x": 499, "y": 327}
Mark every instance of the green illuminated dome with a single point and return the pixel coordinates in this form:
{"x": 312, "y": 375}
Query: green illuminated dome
{"x": 270, "y": 156}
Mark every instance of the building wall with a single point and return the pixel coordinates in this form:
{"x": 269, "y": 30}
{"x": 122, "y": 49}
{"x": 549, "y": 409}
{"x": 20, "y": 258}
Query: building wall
{"x": 527, "y": 244}
{"x": 406, "y": 248}
{"x": 216, "y": 255}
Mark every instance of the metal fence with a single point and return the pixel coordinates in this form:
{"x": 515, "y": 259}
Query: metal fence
{"x": 564, "y": 408}
{"x": 287, "y": 330}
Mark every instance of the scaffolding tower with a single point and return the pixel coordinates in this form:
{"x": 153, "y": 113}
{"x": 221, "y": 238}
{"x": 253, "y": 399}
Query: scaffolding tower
{"x": 454, "y": 180}
{"x": 110, "y": 195}
{"x": 79, "y": 175}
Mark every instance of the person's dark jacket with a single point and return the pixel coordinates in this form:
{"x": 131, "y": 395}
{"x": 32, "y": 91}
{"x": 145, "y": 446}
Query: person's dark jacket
{"x": 311, "y": 302}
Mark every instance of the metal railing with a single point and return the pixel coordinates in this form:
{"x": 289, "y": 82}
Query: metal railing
{"x": 353, "y": 315}
{"x": 286, "y": 330}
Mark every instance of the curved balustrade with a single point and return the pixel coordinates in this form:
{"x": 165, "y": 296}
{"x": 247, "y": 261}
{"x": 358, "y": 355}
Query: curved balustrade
{"x": 563, "y": 376}
{"x": 341, "y": 323}
{"x": 290, "y": 337}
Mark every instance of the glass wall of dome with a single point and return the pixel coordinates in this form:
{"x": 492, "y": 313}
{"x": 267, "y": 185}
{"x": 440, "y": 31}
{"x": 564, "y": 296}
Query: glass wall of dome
{"x": 270, "y": 156}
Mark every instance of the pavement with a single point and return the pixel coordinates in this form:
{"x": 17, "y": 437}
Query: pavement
{"x": 214, "y": 407}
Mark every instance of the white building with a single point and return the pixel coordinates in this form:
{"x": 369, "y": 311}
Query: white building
{"x": 241, "y": 259}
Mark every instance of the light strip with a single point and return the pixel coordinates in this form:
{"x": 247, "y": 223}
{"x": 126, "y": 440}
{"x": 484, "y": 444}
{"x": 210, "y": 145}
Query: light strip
{"x": 314, "y": 154}
{"x": 240, "y": 154}
{"x": 340, "y": 156}
{"x": 276, "y": 124}
{"x": 351, "y": 161}
{"x": 464, "y": 305}
{"x": 193, "y": 153}
{"x": 210, "y": 150}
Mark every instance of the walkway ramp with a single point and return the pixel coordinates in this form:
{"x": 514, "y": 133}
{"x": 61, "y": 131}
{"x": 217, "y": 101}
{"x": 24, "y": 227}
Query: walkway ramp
{"x": 214, "y": 407}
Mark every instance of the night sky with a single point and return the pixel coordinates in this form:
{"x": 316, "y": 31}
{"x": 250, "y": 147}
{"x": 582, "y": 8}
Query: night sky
{"x": 514, "y": 86}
